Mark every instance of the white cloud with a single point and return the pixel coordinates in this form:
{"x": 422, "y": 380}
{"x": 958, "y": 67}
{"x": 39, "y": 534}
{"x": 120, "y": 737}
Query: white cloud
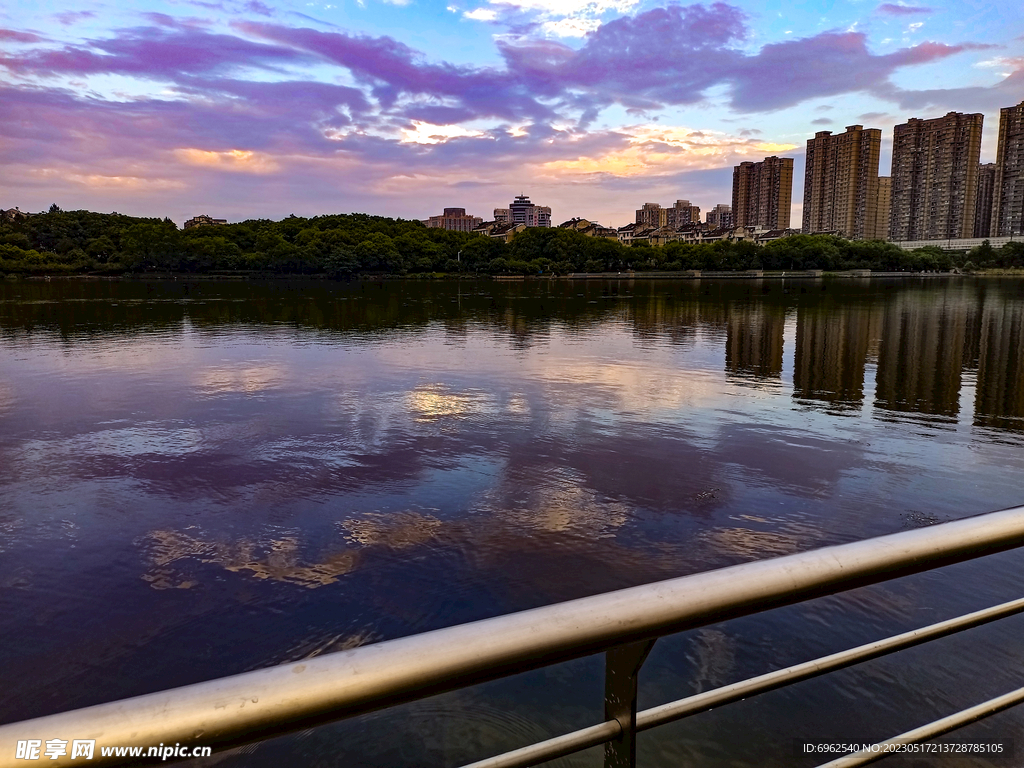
{"x": 571, "y": 8}
{"x": 428, "y": 133}
{"x": 570, "y": 27}
{"x": 481, "y": 14}
{"x": 569, "y": 18}
{"x": 1005, "y": 66}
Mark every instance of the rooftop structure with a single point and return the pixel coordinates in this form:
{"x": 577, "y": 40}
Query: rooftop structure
{"x": 522, "y": 211}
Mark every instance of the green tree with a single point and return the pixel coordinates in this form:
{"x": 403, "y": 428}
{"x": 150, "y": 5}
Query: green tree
{"x": 377, "y": 253}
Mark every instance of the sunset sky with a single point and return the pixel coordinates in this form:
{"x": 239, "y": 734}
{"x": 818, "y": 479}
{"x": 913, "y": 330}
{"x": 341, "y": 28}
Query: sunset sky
{"x": 270, "y": 107}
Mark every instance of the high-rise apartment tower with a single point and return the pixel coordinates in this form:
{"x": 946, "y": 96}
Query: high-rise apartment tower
{"x": 1008, "y": 190}
{"x": 935, "y": 177}
{"x": 841, "y": 184}
{"x": 762, "y": 193}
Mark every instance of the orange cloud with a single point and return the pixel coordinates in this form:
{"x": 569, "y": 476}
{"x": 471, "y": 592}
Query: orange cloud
{"x": 654, "y": 150}
{"x": 238, "y": 160}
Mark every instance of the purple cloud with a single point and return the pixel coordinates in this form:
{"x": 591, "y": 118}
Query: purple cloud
{"x": 391, "y": 69}
{"x": 198, "y": 133}
{"x": 165, "y": 52}
{"x": 11, "y": 36}
{"x": 255, "y": 6}
{"x": 892, "y": 9}
{"x": 73, "y": 17}
{"x": 1005, "y": 93}
{"x": 665, "y": 56}
{"x": 828, "y": 64}
{"x": 673, "y": 55}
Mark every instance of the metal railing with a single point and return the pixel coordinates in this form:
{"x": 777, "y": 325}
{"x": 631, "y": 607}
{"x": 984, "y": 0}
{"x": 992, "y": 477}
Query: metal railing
{"x": 256, "y": 705}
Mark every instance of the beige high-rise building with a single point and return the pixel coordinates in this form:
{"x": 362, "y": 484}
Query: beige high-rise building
{"x": 720, "y": 216}
{"x": 651, "y": 214}
{"x": 1008, "y": 190}
{"x": 455, "y": 219}
{"x": 935, "y": 177}
{"x": 762, "y": 193}
{"x": 841, "y": 183}
{"x": 984, "y": 199}
{"x": 682, "y": 213}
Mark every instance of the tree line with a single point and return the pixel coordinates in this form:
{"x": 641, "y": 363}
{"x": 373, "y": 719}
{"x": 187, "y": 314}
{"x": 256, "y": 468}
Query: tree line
{"x": 347, "y": 245}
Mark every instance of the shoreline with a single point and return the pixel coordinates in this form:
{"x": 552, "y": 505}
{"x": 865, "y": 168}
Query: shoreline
{"x": 861, "y": 274}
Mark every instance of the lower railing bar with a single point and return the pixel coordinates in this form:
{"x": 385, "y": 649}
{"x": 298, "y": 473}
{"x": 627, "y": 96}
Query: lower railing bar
{"x": 702, "y": 702}
{"x": 930, "y": 731}
{"x": 560, "y": 746}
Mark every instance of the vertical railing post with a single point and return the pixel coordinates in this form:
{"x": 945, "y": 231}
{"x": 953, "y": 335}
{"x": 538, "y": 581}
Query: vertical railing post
{"x": 621, "y": 667}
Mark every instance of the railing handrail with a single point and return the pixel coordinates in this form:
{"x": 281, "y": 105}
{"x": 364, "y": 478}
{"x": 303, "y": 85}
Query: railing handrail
{"x": 255, "y": 705}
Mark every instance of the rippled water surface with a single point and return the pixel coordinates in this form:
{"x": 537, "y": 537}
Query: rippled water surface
{"x": 202, "y": 478}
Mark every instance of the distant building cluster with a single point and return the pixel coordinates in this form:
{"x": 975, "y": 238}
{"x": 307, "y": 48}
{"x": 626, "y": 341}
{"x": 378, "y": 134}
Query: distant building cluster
{"x": 204, "y": 221}
{"x": 700, "y": 233}
{"x": 678, "y": 215}
{"x": 937, "y": 189}
{"x": 521, "y": 214}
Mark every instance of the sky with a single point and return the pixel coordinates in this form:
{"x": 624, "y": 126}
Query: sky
{"x": 264, "y": 108}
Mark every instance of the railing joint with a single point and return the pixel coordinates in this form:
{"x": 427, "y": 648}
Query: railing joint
{"x": 621, "y": 671}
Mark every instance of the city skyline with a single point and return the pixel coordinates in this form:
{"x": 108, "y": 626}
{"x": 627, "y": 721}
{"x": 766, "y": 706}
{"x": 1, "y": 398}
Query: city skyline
{"x": 256, "y": 109}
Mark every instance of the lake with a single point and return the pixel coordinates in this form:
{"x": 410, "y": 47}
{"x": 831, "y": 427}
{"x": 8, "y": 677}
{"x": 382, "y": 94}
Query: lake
{"x": 199, "y": 478}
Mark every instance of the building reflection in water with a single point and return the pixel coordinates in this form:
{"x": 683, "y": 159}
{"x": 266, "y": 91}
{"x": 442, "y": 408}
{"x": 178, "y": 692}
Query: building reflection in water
{"x": 1000, "y": 390}
{"x": 832, "y": 345}
{"x": 753, "y": 345}
{"x": 932, "y": 339}
{"x": 921, "y": 354}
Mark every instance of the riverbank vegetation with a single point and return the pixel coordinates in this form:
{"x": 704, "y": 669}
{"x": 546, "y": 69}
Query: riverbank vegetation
{"x": 347, "y": 245}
